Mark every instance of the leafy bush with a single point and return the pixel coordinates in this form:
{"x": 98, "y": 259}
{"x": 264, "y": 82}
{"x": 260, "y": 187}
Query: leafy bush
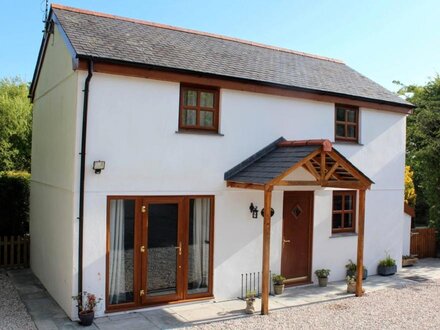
{"x": 14, "y": 203}
{"x": 351, "y": 266}
{"x": 278, "y": 279}
{"x": 322, "y": 273}
{"x": 387, "y": 262}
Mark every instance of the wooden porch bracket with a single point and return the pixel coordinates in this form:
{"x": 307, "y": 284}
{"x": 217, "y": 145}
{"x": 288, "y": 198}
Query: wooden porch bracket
{"x": 266, "y": 250}
{"x": 360, "y": 244}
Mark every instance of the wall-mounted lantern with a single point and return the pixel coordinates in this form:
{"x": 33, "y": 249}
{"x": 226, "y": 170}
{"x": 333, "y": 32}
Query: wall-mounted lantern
{"x": 272, "y": 212}
{"x": 254, "y": 211}
{"x": 98, "y": 166}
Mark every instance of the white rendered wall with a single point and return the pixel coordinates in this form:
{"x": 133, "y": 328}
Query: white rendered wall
{"x": 53, "y": 173}
{"x": 406, "y": 235}
{"x": 132, "y": 125}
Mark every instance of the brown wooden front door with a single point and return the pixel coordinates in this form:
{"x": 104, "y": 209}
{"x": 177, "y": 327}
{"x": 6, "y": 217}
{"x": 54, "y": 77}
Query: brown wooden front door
{"x": 296, "y": 257}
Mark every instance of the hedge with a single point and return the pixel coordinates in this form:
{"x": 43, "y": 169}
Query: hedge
{"x": 14, "y": 203}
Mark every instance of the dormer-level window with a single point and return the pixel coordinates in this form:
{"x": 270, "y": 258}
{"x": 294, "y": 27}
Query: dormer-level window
{"x": 346, "y": 123}
{"x": 199, "y": 108}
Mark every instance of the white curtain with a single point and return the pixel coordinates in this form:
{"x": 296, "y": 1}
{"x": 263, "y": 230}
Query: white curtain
{"x": 117, "y": 251}
{"x": 200, "y": 246}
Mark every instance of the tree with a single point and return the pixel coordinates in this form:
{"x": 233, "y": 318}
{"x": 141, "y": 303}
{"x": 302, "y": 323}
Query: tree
{"x": 16, "y": 125}
{"x": 423, "y": 147}
{"x": 410, "y": 191}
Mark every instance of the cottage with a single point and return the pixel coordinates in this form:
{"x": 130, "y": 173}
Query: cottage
{"x": 156, "y": 149}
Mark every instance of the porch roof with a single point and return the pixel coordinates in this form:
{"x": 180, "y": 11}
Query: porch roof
{"x": 270, "y": 165}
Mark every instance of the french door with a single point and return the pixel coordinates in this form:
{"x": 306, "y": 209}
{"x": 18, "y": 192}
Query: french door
{"x": 159, "y": 250}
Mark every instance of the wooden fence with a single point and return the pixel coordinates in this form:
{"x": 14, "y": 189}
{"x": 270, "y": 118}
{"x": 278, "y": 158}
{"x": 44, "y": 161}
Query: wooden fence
{"x": 423, "y": 242}
{"x": 14, "y": 251}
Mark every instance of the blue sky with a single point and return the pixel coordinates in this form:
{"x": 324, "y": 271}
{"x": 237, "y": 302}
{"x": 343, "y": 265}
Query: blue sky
{"x": 385, "y": 40}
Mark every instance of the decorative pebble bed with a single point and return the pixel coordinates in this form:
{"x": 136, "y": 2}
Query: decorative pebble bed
{"x": 409, "y": 307}
{"x": 13, "y": 313}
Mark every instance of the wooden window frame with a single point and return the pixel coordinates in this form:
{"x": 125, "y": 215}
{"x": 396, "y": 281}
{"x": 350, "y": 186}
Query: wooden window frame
{"x": 343, "y": 211}
{"x": 138, "y": 239}
{"x": 198, "y": 108}
{"x": 347, "y": 123}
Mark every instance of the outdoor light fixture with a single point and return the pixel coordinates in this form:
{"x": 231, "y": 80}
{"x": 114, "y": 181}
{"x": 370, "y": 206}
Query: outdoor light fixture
{"x": 272, "y": 212}
{"x": 254, "y": 211}
{"x": 98, "y": 166}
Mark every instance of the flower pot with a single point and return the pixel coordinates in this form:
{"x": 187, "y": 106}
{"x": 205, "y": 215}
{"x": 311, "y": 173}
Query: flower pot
{"x": 353, "y": 273}
{"x": 409, "y": 261}
{"x": 250, "y": 309}
{"x": 386, "y": 270}
{"x": 351, "y": 287}
{"x": 278, "y": 288}
{"x": 86, "y": 318}
{"x": 323, "y": 281}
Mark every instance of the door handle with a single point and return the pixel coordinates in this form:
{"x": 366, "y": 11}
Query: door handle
{"x": 179, "y": 247}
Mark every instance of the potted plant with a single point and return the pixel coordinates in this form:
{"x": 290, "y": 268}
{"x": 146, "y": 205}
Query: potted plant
{"x": 387, "y": 266}
{"x": 351, "y": 284}
{"x": 278, "y": 283}
{"x": 250, "y": 299}
{"x": 87, "y": 303}
{"x": 351, "y": 268}
{"x": 409, "y": 260}
{"x": 322, "y": 275}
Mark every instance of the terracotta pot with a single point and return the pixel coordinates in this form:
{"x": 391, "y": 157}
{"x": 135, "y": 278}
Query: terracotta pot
{"x": 250, "y": 309}
{"x": 278, "y": 288}
{"x": 86, "y": 318}
{"x": 323, "y": 281}
{"x": 351, "y": 287}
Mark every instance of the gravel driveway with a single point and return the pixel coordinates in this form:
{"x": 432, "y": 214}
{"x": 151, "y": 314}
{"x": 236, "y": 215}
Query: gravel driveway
{"x": 13, "y": 314}
{"x": 410, "y": 307}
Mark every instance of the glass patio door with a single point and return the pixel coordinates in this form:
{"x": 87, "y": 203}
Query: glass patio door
{"x": 162, "y": 250}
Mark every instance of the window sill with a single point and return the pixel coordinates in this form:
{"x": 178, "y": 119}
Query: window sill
{"x": 337, "y": 235}
{"x": 347, "y": 143}
{"x": 198, "y": 132}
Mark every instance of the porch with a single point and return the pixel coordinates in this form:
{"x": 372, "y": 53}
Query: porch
{"x": 48, "y": 315}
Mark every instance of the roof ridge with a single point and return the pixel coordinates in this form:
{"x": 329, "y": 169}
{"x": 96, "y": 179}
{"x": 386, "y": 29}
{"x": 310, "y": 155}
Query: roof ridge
{"x": 174, "y": 28}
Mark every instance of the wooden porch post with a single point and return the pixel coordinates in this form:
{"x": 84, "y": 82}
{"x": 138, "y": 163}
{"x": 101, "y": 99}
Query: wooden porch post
{"x": 360, "y": 244}
{"x": 266, "y": 250}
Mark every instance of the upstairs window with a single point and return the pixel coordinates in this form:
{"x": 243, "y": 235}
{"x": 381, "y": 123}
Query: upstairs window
{"x": 347, "y": 123}
{"x": 199, "y": 108}
{"x": 344, "y": 211}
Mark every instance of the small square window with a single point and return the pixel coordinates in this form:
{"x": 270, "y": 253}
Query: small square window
{"x": 199, "y": 108}
{"x": 346, "y": 123}
{"x": 344, "y": 211}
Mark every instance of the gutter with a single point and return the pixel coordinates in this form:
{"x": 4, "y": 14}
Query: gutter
{"x": 82, "y": 174}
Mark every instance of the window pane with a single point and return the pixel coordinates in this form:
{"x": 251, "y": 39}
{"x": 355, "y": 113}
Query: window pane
{"x": 206, "y": 118}
{"x": 348, "y": 202}
{"x": 351, "y": 131}
{"x": 199, "y": 245}
{"x": 162, "y": 243}
{"x": 207, "y": 99}
{"x": 348, "y": 220}
{"x": 190, "y": 98}
{"x": 340, "y": 130}
{"x": 337, "y": 221}
{"x": 351, "y": 116}
{"x": 121, "y": 251}
{"x": 189, "y": 117}
{"x": 340, "y": 114}
{"x": 337, "y": 202}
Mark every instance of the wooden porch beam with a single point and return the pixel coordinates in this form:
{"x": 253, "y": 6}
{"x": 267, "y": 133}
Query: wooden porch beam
{"x": 244, "y": 185}
{"x": 312, "y": 170}
{"x": 323, "y": 166}
{"x": 266, "y": 250}
{"x": 360, "y": 244}
{"x": 344, "y": 184}
{"x": 331, "y": 171}
{"x": 298, "y": 183}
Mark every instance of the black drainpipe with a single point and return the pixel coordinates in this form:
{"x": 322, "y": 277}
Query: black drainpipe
{"x": 82, "y": 175}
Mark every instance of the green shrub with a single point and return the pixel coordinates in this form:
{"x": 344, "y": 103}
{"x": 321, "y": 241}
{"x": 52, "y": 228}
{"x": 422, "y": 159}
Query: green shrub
{"x": 14, "y": 203}
{"x": 387, "y": 262}
{"x": 322, "y": 273}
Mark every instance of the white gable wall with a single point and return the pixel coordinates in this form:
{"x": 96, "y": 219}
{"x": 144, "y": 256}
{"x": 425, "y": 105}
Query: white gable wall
{"x": 52, "y": 209}
{"x": 133, "y": 124}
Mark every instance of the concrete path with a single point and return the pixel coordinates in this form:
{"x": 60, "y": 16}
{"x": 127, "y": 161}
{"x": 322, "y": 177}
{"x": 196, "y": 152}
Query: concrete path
{"x": 48, "y": 315}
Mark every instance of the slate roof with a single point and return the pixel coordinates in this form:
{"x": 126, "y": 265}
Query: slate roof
{"x": 130, "y": 41}
{"x": 273, "y": 160}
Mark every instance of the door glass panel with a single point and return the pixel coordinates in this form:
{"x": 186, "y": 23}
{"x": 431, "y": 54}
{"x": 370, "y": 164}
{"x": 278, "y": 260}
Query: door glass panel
{"x": 199, "y": 245}
{"x": 121, "y": 254}
{"x": 162, "y": 252}
{"x": 340, "y": 114}
{"x": 337, "y": 221}
{"x": 351, "y": 131}
{"x": 351, "y": 116}
{"x": 340, "y": 130}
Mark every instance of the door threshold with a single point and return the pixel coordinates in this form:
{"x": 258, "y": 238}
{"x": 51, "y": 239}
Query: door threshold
{"x": 304, "y": 280}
